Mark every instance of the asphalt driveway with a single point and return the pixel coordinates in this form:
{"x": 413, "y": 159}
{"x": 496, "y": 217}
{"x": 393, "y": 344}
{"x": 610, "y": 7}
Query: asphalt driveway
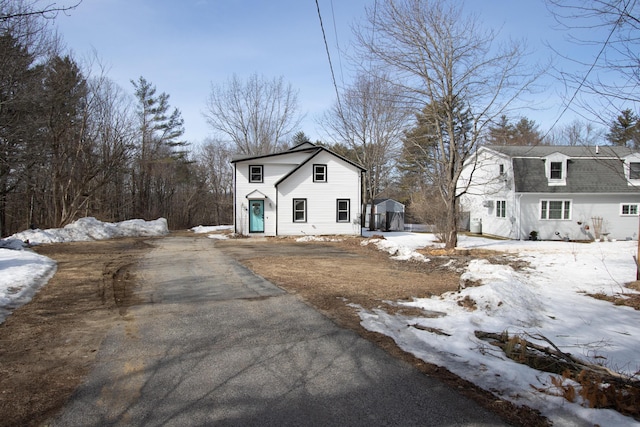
{"x": 210, "y": 343}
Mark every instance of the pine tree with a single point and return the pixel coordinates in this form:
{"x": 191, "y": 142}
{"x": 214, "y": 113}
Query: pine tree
{"x": 625, "y": 130}
{"x": 159, "y": 147}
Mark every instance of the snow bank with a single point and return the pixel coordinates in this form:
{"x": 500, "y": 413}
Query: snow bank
{"x": 87, "y": 229}
{"x": 22, "y": 273}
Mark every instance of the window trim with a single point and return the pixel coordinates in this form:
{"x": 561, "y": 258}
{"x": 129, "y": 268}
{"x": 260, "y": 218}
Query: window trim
{"x": 304, "y": 211}
{"x": 347, "y": 210}
{"x": 545, "y": 209}
{"x": 501, "y": 208}
{"x": 324, "y": 172}
{"x": 261, "y": 167}
{"x": 557, "y": 170}
{"x": 629, "y": 205}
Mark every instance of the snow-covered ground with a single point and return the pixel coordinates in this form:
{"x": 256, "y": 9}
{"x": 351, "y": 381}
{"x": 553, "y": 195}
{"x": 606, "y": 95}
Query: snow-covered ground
{"x": 546, "y": 299}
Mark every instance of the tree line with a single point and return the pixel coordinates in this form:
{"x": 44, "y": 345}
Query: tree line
{"x": 432, "y": 85}
{"x": 75, "y": 144}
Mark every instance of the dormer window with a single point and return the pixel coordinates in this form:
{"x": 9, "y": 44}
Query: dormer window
{"x": 556, "y": 170}
{"x": 632, "y": 169}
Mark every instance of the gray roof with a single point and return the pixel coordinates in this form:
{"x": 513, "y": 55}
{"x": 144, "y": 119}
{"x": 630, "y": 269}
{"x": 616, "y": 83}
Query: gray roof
{"x": 583, "y": 176}
{"x": 589, "y": 169}
{"x": 571, "y": 151}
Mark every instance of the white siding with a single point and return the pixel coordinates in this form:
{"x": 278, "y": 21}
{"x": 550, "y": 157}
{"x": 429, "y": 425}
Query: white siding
{"x": 343, "y": 182}
{"x": 583, "y": 209}
{"x": 487, "y": 188}
{"x": 274, "y": 168}
{"x": 523, "y": 210}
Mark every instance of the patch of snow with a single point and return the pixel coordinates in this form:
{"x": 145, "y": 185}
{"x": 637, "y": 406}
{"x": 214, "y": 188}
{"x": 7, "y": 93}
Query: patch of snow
{"x": 200, "y": 229}
{"x": 546, "y": 300}
{"x": 318, "y": 239}
{"x": 397, "y": 251}
{"x": 218, "y": 236}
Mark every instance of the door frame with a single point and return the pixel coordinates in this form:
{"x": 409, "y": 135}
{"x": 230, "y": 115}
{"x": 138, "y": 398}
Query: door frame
{"x": 251, "y": 225}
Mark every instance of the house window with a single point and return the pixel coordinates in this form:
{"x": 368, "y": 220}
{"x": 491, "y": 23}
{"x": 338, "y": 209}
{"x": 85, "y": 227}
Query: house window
{"x": 501, "y": 169}
{"x": 556, "y": 170}
{"x": 501, "y": 208}
{"x": 629, "y": 209}
{"x": 299, "y": 210}
{"x": 319, "y": 173}
{"x": 555, "y": 209}
{"x": 255, "y": 173}
{"x": 634, "y": 170}
{"x": 342, "y": 210}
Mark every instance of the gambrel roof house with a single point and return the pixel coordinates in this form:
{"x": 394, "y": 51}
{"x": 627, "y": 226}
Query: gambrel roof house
{"x": 306, "y": 190}
{"x": 558, "y": 192}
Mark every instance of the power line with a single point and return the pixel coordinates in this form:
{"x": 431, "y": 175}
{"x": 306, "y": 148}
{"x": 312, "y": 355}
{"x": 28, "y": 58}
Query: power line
{"x": 335, "y": 33}
{"x": 593, "y": 65}
{"x": 326, "y": 45}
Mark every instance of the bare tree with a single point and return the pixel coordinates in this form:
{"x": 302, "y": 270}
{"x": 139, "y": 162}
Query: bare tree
{"x": 11, "y": 10}
{"x": 577, "y": 133}
{"x": 369, "y": 120}
{"x": 612, "y": 28}
{"x": 214, "y": 163}
{"x": 256, "y": 115}
{"x": 447, "y": 63}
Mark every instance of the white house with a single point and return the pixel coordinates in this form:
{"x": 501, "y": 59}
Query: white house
{"x": 307, "y": 190}
{"x": 558, "y": 192}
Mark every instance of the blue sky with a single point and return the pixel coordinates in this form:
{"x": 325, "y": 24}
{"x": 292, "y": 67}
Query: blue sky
{"x": 183, "y": 47}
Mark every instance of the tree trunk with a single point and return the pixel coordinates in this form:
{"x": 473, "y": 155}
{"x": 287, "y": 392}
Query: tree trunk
{"x": 451, "y": 232}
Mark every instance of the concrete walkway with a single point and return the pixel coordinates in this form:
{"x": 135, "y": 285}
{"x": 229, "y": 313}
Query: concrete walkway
{"x": 213, "y": 344}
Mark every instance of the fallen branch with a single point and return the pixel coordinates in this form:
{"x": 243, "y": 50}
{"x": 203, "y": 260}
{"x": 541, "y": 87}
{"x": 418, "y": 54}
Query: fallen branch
{"x": 524, "y": 351}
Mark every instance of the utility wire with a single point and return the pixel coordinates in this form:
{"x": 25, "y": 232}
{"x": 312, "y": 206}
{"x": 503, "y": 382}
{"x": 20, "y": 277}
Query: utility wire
{"x": 333, "y": 76}
{"x": 335, "y": 33}
{"x": 593, "y": 65}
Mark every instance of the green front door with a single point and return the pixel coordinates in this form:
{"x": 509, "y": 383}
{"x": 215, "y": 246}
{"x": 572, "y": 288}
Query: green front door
{"x": 256, "y": 216}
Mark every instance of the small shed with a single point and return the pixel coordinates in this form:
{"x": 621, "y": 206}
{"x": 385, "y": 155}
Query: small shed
{"x": 389, "y": 215}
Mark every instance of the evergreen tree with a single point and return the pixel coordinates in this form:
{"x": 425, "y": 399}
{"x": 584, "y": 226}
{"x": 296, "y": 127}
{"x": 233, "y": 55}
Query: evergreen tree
{"x": 300, "y": 138}
{"x": 19, "y": 89}
{"x": 64, "y": 96}
{"x": 159, "y": 147}
{"x": 625, "y": 130}
{"x": 524, "y": 132}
